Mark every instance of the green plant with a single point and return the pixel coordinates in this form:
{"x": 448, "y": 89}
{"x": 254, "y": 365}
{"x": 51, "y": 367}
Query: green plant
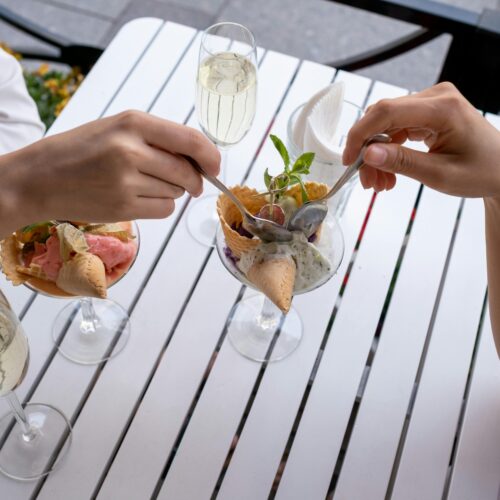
{"x": 51, "y": 90}
{"x": 291, "y": 175}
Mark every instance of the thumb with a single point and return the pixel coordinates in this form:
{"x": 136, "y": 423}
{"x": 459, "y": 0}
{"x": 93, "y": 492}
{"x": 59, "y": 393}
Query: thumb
{"x": 400, "y": 160}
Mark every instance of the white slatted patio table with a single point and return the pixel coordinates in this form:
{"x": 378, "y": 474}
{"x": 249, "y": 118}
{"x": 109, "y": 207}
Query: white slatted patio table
{"x": 394, "y": 391}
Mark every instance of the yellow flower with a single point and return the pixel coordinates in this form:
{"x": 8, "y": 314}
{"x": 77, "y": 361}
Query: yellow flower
{"x": 63, "y": 92}
{"x": 44, "y": 68}
{"x": 52, "y": 84}
{"x": 7, "y": 49}
{"x": 60, "y": 106}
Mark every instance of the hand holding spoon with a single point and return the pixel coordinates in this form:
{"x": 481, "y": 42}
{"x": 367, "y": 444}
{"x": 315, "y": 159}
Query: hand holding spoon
{"x": 264, "y": 229}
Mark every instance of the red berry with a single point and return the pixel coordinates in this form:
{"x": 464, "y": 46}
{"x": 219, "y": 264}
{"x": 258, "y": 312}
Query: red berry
{"x": 277, "y": 215}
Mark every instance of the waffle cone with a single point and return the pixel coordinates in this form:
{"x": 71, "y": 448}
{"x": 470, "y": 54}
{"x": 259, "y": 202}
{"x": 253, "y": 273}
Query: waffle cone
{"x": 83, "y": 275}
{"x": 276, "y": 279}
{"x": 229, "y": 214}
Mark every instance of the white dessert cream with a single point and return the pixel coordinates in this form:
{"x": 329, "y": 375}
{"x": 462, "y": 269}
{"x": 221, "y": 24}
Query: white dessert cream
{"x": 312, "y": 266}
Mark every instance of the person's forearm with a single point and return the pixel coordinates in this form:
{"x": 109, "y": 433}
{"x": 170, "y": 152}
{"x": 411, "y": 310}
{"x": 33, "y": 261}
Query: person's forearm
{"x": 492, "y": 211}
{"x": 17, "y": 187}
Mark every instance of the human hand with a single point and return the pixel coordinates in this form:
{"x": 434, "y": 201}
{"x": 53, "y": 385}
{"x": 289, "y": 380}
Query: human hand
{"x": 464, "y": 149}
{"x": 124, "y": 167}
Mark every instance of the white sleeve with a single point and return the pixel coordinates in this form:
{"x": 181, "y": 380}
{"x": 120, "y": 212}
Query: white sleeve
{"x": 20, "y": 123}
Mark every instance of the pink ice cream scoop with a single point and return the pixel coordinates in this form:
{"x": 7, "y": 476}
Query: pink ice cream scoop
{"x": 116, "y": 255}
{"x": 50, "y": 260}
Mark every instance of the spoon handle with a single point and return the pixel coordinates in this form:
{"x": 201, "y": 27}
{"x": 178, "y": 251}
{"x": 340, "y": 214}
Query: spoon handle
{"x": 352, "y": 169}
{"x": 349, "y": 172}
{"x": 218, "y": 184}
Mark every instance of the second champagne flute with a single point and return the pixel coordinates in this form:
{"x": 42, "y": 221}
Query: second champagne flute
{"x": 225, "y": 104}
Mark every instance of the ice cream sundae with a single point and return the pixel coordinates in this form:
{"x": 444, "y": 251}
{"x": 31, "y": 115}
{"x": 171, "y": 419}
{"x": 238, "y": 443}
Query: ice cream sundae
{"x": 64, "y": 258}
{"x": 277, "y": 269}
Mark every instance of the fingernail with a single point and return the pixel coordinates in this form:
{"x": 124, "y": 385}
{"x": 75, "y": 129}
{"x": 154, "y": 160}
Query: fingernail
{"x": 375, "y": 155}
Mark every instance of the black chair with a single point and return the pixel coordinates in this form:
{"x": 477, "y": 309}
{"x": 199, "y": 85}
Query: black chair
{"x": 473, "y": 59}
{"x": 83, "y": 56}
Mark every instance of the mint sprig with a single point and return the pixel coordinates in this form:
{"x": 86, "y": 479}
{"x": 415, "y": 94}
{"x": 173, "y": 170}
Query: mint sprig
{"x": 277, "y": 185}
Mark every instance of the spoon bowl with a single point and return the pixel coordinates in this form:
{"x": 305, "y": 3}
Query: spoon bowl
{"x": 310, "y": 215}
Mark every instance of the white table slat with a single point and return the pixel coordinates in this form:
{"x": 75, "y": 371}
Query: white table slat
{"x": 383, "y": 90}
{"x": 148, "y": 77}
{"x": 168, "y": 285}
{"x": 110, "y": 71}
{"x": 76, "y": 377}
{"x": 356, "y": 87}
{"x": 316, "y": 446}
{"x": 379, "y": 422}
{"x": 427, "y": 449}
{"x": 477, "y": 464}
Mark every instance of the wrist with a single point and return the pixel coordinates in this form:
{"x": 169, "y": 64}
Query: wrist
{"x": 18, "y": 200}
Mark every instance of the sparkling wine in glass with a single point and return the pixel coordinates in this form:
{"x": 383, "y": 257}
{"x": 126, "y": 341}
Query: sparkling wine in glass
{"x": 226, "y": 97}
{"x": 225, "y": 105}
{"x": 33, "y": 439}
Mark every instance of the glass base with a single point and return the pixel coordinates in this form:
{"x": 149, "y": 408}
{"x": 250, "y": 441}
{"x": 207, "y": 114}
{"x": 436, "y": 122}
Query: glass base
{"x": 27, "y": 460}
{"x": 202, "y": 220}
{"x": 252, "y": 335}
{"x": 89, "y": 348}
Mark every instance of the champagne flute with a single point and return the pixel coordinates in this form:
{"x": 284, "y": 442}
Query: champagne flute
{"x": 30, "y": 437}
{"x": 225, "y": 105}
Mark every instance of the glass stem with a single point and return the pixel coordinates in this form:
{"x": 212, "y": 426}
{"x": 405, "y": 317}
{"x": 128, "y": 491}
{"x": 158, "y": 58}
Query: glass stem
{"x": 89, "y": 321}
{"x": 269, "y": 315}
{"x": 19, "y": 414}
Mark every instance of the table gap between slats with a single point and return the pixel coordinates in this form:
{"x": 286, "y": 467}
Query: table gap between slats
{"x": 463, "y": 406}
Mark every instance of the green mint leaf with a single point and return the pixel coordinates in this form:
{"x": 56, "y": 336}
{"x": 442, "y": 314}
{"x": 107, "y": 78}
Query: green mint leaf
{"x": 281, "y": 150}
{"x": 303, "y": 163}
{"x": 267, "y": 179}
{"x": 305, "y": 197}
{"x": 294, "y": 179}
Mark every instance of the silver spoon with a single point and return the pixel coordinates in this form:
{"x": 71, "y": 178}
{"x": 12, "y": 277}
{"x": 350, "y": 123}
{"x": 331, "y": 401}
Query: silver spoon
{"x": 264, "y": 229}
{"x": 309, "y": 216}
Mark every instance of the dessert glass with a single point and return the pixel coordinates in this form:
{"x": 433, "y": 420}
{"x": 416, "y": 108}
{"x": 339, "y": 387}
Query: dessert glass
{"x": 329, "y": 172}
{"x": 257, "y": 329}
{"x": 91, "y": 330}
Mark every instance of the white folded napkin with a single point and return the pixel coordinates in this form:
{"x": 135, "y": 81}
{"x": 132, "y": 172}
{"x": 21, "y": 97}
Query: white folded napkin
{"x": 315, "y": 127}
